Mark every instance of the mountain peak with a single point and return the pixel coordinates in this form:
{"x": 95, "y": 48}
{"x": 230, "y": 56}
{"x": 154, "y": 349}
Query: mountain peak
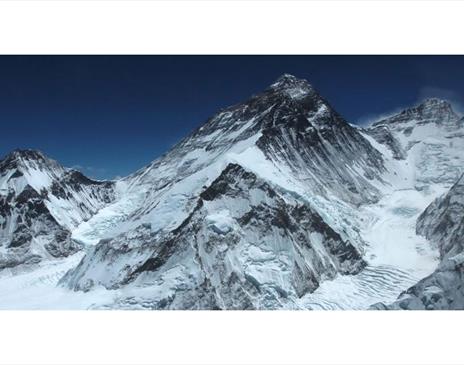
{"x": 284, "y": 79}
{"x": 435, "y": 103}
{"x": 433, "y": 110}
{"x": 292, "y": 86}
{"x": 288, "y": 80}
{"x": 27, "y": 154}
{"x": 26, "y": 158}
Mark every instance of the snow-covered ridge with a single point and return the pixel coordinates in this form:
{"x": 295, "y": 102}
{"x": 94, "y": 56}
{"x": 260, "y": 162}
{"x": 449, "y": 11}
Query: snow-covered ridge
{"x": 431, "y": 110}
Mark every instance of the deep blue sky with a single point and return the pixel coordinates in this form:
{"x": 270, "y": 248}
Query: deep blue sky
{"x": 111, "y": 115}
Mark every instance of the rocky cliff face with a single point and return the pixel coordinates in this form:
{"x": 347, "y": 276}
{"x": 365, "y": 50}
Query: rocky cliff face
{"x": 443, "y": 221}
{"x": 383, "y": 135}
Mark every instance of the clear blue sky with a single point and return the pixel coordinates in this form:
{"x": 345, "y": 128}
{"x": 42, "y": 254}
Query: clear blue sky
{"x": 111, "y": 115}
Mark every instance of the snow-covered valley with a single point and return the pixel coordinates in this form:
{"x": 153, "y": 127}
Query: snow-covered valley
{"x": 274, "y": 203}
{"x": 397, "y": 257}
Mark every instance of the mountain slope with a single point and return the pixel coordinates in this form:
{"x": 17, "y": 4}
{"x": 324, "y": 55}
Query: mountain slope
{"x": 40, "y": 202}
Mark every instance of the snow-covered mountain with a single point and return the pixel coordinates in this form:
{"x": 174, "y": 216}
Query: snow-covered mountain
{"x": 301, "y": 149}
{"x": 40, "y": 203}
{"x": 288, "y": 135}
{"x": 276, "y": 202}
{"x": 429, "y": 140}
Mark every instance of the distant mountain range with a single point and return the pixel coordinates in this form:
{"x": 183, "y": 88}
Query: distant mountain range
{"x": 275, "y": 203}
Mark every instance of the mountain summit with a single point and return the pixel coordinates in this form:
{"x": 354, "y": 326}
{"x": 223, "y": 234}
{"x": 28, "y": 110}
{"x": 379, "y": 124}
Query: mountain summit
{"x": 27, "y": 154}
{"x": 23, "y": 160}
{"x": 294, "y": 87}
